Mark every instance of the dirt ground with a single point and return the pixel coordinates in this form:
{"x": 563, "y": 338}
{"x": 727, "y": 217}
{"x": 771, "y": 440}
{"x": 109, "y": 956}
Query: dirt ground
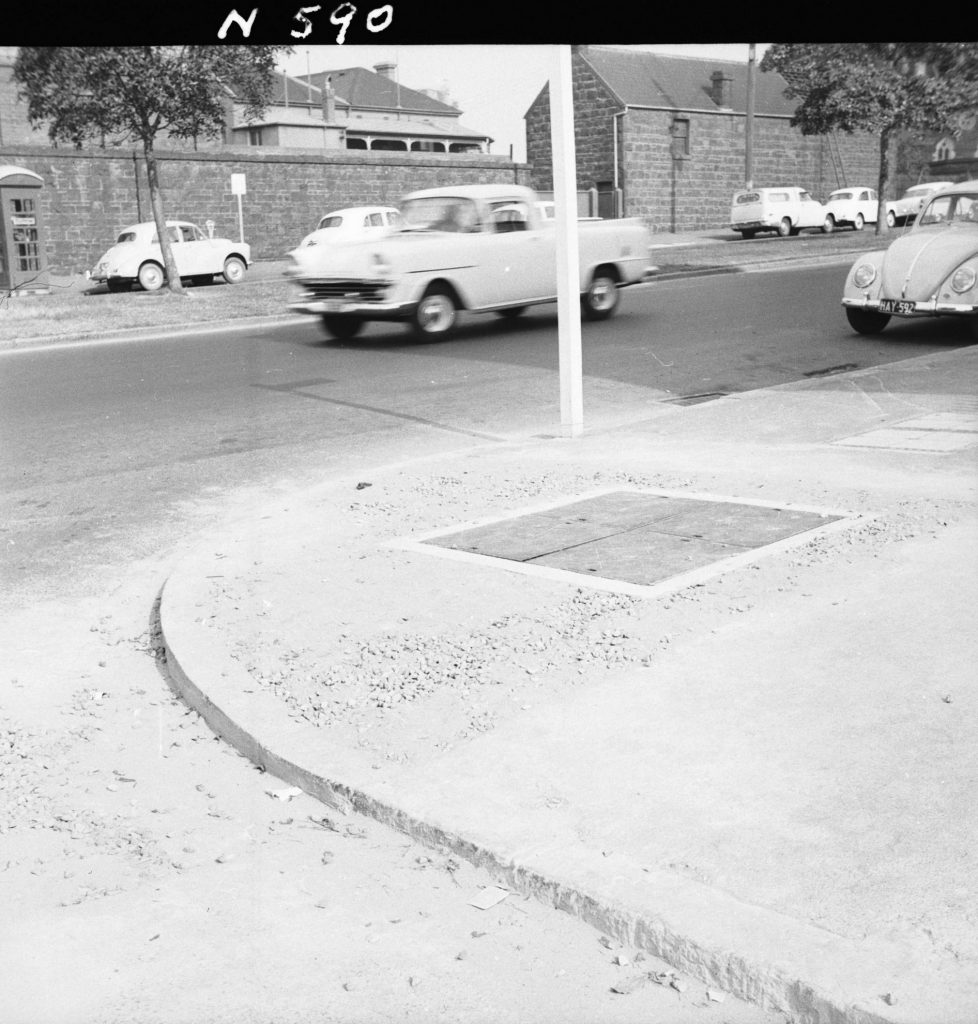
{"x": 150, "y": 874}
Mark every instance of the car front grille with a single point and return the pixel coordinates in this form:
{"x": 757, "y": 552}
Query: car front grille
{"x": 352, "y": 291}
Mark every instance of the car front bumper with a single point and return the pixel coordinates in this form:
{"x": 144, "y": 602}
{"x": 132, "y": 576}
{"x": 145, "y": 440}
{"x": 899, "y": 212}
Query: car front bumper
{"x": 366, "y": 310}
{"x": 930, "y": 307}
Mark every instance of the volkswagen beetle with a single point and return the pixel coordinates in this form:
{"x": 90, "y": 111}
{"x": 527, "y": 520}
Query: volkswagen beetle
{"x": 930, "y": 271}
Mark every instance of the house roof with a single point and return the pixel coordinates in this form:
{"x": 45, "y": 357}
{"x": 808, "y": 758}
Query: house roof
{"x": 642, "y": 79}
{"x": 367, "y": 90}
{"x": 288, "y": 91}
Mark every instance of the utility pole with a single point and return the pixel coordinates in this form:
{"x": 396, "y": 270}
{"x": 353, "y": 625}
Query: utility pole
{"x": 565, "y": 230}
{"x": 749, "y": 128}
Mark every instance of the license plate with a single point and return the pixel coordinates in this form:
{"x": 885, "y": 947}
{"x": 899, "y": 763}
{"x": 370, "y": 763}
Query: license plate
{"x": 336, "y": 306}
{"x": 897, "y": 306}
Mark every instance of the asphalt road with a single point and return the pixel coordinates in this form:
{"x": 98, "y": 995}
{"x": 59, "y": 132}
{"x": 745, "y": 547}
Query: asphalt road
{"x": 113, "y": 451}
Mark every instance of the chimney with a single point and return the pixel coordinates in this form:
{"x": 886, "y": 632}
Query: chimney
{"x": 329, "y": 101}
{"x": 721, "y": 88}
{"x": 385, "y": 68}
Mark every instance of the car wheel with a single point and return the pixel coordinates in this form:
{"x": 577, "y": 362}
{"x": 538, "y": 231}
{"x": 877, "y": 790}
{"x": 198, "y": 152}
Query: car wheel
{"x": 828, "y": 225}
{"x": 151, "y": 277}
{"x": 601, "y": 298}
{"x": 435, "y": 315}
{"x": 784, "y": 228}
{"x": 512, "y": 313}
{"x": 342, "y": 327}
{"x": 234, "y": 269}
{"x": 890, "y": 219}
{"x": 118, "y": 284}
{"x": 859, "y": 223}
{"x": 748, "y": 234}
{"x": 866, "y": 321}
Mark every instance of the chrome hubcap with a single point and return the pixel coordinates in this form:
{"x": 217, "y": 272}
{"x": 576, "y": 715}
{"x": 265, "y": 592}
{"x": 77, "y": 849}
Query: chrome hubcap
{"x": 436, "y": 314}
{"x": 602, "y": 294}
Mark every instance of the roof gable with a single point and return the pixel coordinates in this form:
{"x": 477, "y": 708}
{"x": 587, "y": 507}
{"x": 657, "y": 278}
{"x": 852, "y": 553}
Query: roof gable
{"x": 643, "y": 79}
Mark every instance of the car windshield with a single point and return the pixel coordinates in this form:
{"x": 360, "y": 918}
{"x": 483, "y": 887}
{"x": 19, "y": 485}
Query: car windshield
{"x": 440, "y": 213}
{"x": 958, "y": 208}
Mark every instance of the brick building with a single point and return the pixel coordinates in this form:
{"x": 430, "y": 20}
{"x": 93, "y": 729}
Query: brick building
{"x": 664, "y": 138}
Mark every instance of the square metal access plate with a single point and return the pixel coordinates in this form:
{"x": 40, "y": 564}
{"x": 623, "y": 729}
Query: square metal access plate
{"x": 635, "y": 538}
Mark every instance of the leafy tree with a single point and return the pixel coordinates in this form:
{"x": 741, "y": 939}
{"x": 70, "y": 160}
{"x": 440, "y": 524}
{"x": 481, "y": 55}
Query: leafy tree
{"x": 883, "y": 88}
{"x": 137, "y": 93}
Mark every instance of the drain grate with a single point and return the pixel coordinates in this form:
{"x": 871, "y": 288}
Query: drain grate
{"x": 635, "y": 537}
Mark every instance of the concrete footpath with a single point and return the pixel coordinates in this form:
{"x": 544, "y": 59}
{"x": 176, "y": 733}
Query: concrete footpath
{"x": 759, "y": 765}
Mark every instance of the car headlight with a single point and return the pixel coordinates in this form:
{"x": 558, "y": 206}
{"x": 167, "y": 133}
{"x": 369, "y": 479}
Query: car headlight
{"x": 963, "y": 279}
{"x": 864, "y": 275}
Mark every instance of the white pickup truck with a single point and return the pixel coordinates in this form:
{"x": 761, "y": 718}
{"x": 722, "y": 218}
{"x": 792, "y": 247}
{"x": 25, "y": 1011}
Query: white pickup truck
{"x": 481, "y": 248}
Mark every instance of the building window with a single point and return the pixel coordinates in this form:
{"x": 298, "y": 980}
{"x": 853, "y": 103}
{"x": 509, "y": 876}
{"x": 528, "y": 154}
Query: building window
{"x": 680, "y": 136}
{"x": 254, "y": 136}
{"x": 944, "y": 150}
{"x": 388, "y": 144}
{"x": 26, "y": 251}
{"x": 354, "y": 143}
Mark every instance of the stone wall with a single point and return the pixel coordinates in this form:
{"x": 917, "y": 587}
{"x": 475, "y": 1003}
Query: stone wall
{"x": 693, "y": 194}
{"x": 594, "y": 110}
{"x": 89, "y": 195}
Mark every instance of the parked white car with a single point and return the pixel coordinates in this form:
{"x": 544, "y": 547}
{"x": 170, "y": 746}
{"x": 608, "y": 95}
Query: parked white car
{"x": 137, "y": 257}
{"x": 857, "y": 206}
{"x": 909, "y": 204}
{"x": 929, "y": 271}
{"x": 482, "y": 248}
{"x": 358, "y": 222}
{"x": 785, "y": 210}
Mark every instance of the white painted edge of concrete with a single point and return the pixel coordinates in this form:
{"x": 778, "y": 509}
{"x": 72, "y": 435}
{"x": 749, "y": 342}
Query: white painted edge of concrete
{"x": 419, "y": 543}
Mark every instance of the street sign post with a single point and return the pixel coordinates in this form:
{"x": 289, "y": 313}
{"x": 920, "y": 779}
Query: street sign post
{"x": 239, "y": 188}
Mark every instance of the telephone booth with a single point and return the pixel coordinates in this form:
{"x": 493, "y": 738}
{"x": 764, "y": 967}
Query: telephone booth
{"x": 23, "y": 263}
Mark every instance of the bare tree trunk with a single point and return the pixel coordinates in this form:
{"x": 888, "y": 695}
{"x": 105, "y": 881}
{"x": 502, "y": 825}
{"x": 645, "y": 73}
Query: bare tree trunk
{"x": 883, "y": 189}
{"x": 156, "y": 204}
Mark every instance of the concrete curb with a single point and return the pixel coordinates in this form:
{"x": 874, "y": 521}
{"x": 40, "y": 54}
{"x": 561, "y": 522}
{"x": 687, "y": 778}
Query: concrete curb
{"x": 750, "y": 952}
{"x": 768, "y": 958}
{"x": 149, "y": 333}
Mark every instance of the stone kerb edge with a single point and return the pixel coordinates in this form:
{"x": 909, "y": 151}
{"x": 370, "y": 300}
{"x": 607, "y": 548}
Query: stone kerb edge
{"x": 257, "y": 725}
